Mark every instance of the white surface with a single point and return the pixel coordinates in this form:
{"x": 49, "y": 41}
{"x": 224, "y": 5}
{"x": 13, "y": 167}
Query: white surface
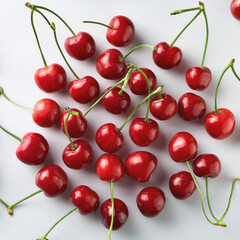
{"x": 19, "y": 58}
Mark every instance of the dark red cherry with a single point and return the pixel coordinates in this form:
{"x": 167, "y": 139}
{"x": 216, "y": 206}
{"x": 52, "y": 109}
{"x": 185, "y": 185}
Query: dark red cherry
{"x": 182, "y": 147}
{"x": 140, "y": 165}
{"x": 151, "y": 201}
{"x": 235, "y": 9}
{"x": 167, "y": 57}
{"x": 120, "y": 213}
{"x": 207, "y": 165}
{"x": 191, "y": 106}
{"x": 198, "y": 78}
{"x": 182, "y": 185}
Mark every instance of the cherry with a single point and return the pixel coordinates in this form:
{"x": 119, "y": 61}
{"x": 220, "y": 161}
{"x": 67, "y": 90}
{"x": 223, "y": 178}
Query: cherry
{"x": 108, "y": 138}
{"x": 207, "y": 165}
{"x": 52, "y": 180}
{"x": 142, "y": 132}
{"x": 151, "y": 201}
{"x": 85, "y": 199}
{"x": 182, "y": 185}
{"x": 137, "y": 82}
{"x": 120, "y": 213}
{"x": 108, "y": 64}
{"x": 163, "y": 107}
{"x": 235, "y": 9}
{"x": 116, "y": 101}
{"x": 140, "y": 165}
{"x": 182, "y": 147}
{"x": 191, "y": 106}
{"x": 46, "y": 112}
{"x": 80, "y": 46}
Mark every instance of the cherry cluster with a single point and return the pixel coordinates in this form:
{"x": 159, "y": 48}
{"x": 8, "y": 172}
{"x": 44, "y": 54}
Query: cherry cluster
{"x": 52, "y": 180}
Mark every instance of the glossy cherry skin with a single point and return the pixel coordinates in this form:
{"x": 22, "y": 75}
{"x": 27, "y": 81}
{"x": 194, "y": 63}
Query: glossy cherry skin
{"x": 163, "y": 108}
{"x": 80, "y": 46}
{"x": 51, "y": 78}
{"x": 140, "y": 165}
{"x": 33, "y": 149}
{"x": 76, "y": 125}
{"x": 120, "y": 213}
{"x": 52, "y": 180}
{"x": 182, "y": 147}
{"x": 198, "y": 78}
{"x": 151, "y": 201}
{"x": 85, "y": 199}
{"x": 109, "y": 167}
{"x": 138, "y": 84}
{"x": 191, "y": 106}
{"x": 235, "y": 9}
{"x": 220, "y": 125}
{"x": 167, "y": 57}
{"x": 108, "y": 138}
{"x": 108, "y": 65}
{"x": 114, "y": 102}
{"x": 79, "y": 156}
{"x": 143, "y": 133}
{"x": 207, "y": 165}
{"x": 84, "y": 90}
{"x": 182, "y": 185}
{"x": 46, "y": 112}
{"x": 122, "y": 31}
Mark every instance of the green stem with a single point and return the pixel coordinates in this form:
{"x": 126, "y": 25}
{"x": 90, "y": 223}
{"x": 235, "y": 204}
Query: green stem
{"x": 113, "y": 213}
{"x": 99, "y": 23}
{"x": 49, "y": 10}
{"x": 184, "y": 10}
{"x": 126, "y": 79}
{"x": 11, "y": 134}
{"x": 4, "y": 203}
{"x": 54, "y": 225}
{"x": 234, "y": 72}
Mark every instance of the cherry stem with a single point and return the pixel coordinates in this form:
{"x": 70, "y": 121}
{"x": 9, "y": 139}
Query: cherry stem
{"x": 130, "y": 66}
{"x": 54, "y": 225}
{"x": 99, "y": 23}
{"x": 11, "y": 134}
{"x": 4, "y": 203}
{"x": 113, "y": 210}
{"x": 184, "y": 10}
{"x": 32, "y": 6}
{"x": 138, "y": 106}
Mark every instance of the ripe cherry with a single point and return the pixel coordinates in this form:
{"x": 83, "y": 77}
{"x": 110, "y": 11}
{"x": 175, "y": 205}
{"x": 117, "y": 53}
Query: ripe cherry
{"x": 235, "y": 9}
{"x": 182, "y": 147}
{"x": 191, "y": 106}
{"x": 151, "y": 201}
{"x": 182, "y": 185}
{"x": 140, "y": 165}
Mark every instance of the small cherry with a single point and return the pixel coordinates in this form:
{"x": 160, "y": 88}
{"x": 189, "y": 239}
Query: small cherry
{"x": 151, "y": 201}
{"x": 235, "y": 9}
{"x": 140, "y": 165}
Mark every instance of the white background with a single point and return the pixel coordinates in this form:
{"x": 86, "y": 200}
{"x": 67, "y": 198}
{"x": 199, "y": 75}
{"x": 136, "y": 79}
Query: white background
{"x": 19, "y": 59}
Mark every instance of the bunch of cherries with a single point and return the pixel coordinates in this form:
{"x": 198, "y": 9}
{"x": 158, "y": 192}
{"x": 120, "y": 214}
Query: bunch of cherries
{"x": 111, "y": 64}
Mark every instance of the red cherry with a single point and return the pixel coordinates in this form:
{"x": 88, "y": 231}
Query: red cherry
{"x": 52, "y": 180}
{"x": 46, "y": 112}
{"x": 182, "y": 185}
{"x": 138, "y": 84}
{"x": 198, "y": 78}
{"x": 114, "y": 102}
{"x": 182, "y": 147}
{"x": 109, "y": 167}
{"x": 85, "y": 199}
{"x": 122, "y": 31}
{"x": 163, "y": 108}
{"x": 235, "y": 9}
{"x": 167, "y": 57}
{"x": 108, "y": 138}
{"x": 81, "y": 46}
{"x": 84, "y": 90}
{"x": 151, "y": 201}
{"x": 143, "y": 133}
{"x": 51, "y": 78}
{"x": 109, "y": 66}
{"x": 78, "y": 156}
{"x": 120, "y": 213}
{"x": 76, "y": 125}
{"x": 191, "y": 106}
{"x": 207, "y": 165}
{"x": 140, "y": 165}
{"x": 220, "y": 125}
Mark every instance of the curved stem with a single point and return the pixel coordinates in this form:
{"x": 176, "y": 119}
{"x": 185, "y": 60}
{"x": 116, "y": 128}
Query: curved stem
{"x": 234, "y": 72}
{"x": 4, "y": 203}
{"x": 126, "y": 79}
{"x": 184, "y": 10}
{"x": 113, "y": 213}
{"x": 11, "y": 134}
{"x": 99, "y": 23}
